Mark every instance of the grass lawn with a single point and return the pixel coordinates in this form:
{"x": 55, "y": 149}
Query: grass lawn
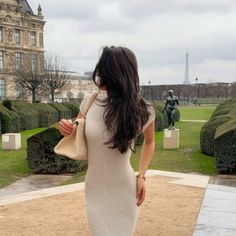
{"x": 13, "y": 164}
{"x": 196, "y": 112}
{"x": 187, "y": 159}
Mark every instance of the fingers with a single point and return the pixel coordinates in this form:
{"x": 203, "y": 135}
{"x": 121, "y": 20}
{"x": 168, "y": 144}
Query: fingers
{"x": 65, "y": 127}
{"x": 141, "y": 198}
{"x": 140, "y": 194}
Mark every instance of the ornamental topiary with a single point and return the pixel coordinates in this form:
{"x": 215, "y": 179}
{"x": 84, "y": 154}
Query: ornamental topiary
{"x": 42, "y": 159}
{"x": 64, "y": 111}
{"x": 10, "y": 121}
{"x": 225, "y": 147}
{"x": 208, "y": 131}
{"x": 29, "y": 116}
{"x": 159, "y": 121}
{"x": 48, "y": 115}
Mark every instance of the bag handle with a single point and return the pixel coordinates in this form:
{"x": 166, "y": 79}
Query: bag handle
{"x": 89, "y": 103}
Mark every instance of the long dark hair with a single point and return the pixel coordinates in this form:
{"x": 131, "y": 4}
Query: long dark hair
{"x": 126, "y": 110}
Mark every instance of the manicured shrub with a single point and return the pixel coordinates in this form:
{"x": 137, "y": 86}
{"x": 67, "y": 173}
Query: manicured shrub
{"x": 159, "y": 121}
{"x": 207, "y": 133}
{"x": 29, "y": 115}
{"x": 48, "y": 115}
{"x": 225, "y": 147}
{"x": 7, "y": 104}
{"x": 42, "y": 159}
{"x": 228, "y": 103}
{"x": 10, "y": 121}
{"x": 74, "y": 107}
{"x": 64, "y": 112}
{"x": 219, "y": 112}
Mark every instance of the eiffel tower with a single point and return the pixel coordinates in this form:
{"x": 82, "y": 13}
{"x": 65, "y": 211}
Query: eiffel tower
{"x": 186, "y": 78}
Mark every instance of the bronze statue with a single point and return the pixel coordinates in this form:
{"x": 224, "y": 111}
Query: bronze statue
{"x": 170, "y": 107}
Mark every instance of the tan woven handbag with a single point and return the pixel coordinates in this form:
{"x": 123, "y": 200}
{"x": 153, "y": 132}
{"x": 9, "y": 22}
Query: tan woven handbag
{"x": 74, "y": 146}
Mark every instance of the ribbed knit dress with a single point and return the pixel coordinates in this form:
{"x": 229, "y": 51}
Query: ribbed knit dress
{"x": 110, "y": 183}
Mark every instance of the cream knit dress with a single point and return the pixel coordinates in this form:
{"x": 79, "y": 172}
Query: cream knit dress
{"x": 110, "y": 183}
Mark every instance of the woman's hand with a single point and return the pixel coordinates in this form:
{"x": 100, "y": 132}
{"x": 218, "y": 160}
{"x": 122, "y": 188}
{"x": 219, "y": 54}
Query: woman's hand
{"x": 140, "y": 190}
{"x": 65, "y": 127}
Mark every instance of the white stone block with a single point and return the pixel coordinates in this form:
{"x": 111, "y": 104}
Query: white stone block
{"x": 171, "y": 139}
{"x": 11, "y": 141}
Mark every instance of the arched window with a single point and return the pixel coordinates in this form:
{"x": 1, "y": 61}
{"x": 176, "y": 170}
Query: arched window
{"x": 2, "y": 88}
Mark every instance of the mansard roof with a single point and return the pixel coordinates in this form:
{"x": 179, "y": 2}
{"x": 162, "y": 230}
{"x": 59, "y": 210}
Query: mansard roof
{"x": 26, "y": 7}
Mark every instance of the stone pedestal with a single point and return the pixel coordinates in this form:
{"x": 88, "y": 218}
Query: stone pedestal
{"x": 171, "y": 139}
{"x": 11, "y": 141}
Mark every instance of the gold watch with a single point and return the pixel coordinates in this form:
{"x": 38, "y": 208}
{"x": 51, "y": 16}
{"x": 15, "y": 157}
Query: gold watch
{"x": 141, "y": 176}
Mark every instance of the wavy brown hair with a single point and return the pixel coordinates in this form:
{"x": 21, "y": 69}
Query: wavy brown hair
{"x": 125, "y": 109}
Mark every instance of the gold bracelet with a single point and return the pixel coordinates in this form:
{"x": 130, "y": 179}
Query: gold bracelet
{"x": 141, "y": 176}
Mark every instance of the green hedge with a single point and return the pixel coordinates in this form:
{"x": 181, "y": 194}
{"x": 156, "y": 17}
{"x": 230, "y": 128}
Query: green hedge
{"x": 225, "y": 147}
{"x": 21, "y": 115}
{"x": 10, "y": 121}
{"x": 48, "y": 115}
{"x": 159, "y": 121}
{"x": 224, "y": 112}
{"x": 208, "y": 131}
{"x": 42, "y": 159}
{"x": 74, "y": 107}
{"x": 64, "y": 112}
{"x": 29, "y": 115}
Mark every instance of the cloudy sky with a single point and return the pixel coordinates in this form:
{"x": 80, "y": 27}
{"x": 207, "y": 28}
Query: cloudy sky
{"x": 158, "y": 31}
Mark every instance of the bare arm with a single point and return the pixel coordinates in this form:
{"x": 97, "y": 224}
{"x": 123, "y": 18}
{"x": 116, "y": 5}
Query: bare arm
{"x": 147, "y": 148}
{"x": 146, "y": 156}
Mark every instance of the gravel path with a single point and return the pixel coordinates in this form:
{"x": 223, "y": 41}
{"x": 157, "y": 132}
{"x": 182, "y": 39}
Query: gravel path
{"x": 168, "y": 210}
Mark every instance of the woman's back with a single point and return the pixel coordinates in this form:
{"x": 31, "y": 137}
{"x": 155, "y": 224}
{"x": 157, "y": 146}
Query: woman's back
{"x": 110, "y": 183}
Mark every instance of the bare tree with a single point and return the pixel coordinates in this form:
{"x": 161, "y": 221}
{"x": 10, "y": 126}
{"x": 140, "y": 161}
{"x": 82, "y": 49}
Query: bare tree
{"x": 56, "y": 76}
{"x": 29, "y": 75}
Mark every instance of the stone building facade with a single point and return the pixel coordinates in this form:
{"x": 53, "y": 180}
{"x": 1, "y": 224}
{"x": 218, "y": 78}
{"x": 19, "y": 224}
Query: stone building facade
{"x": 78, "y": 87}
{"x": 21, "y": 36}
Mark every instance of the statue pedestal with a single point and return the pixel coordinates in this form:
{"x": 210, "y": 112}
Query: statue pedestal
{"x": 171, "y": 139}
{"x": 11, "y": 141}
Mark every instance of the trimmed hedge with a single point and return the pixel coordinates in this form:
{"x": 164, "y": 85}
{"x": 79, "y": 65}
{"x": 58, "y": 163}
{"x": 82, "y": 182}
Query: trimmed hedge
{"x": 224, "y": 113}
{"x": 10, "y": 121}
{"x": 42, "y": 159}
{"x": 159, "y": 121}
{"x": 21, "y": 115}
{"x": 48, "y": 115}
{"x": 208, "y": 131}
{"x": 225, "y": 147}
{"x": 29, "y": 115}
{"x": 74, "y": 107}
{"x": 64, "y": 112}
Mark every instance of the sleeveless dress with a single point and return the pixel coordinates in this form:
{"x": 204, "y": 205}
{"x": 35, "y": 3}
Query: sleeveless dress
{"x": 110, "y": 182}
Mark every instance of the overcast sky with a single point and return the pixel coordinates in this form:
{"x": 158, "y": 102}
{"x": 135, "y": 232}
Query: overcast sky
{"x": 158, "y": 31}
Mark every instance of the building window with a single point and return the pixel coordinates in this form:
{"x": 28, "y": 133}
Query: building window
{"x": 1, "y": 60}
{"x": 33, "y": 61}
{"x": 2, "y": 88}
{"x": 1, "y": 35}
{"x": 18, "y": 60}
{"x": 21, "y": 89}
{"x": 17, "y": 36}
{"x": 33, "y": 39}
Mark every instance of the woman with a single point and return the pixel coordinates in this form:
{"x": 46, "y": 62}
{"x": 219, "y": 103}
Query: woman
{"x": 115, "y": 119}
